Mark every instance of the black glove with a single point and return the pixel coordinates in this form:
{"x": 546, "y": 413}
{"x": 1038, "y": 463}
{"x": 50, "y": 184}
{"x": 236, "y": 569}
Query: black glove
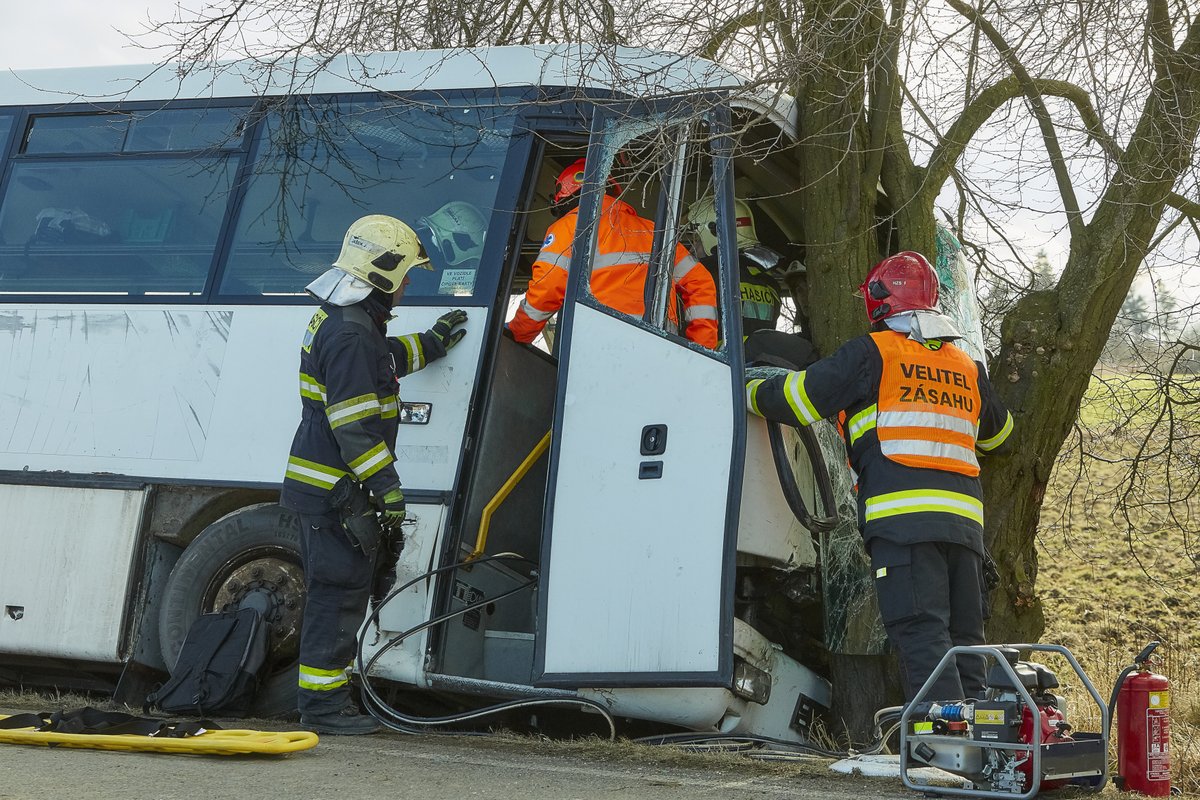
{"x": 991, "y": 575}
{"x": 392, "y": 510}
{"x": 443, "y": 329}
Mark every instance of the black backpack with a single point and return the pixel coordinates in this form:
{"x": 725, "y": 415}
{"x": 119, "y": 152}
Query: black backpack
{"x": 217, "y": 670}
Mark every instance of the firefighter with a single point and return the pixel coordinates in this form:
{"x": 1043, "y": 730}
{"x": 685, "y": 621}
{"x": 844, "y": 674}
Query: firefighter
{"x": 917, "y": 410}
{"x": 760, "y": 292}
{"x": 619, "y": 271}
{"x": 343, "y": 448}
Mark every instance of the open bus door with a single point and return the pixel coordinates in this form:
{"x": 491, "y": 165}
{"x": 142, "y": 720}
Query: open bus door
{"x": 638, "y": 551}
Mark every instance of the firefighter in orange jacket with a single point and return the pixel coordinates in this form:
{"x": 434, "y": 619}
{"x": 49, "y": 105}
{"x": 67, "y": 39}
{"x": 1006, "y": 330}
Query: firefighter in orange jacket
{"x": 917, "y": 411}
{"x": 618, "y": 272}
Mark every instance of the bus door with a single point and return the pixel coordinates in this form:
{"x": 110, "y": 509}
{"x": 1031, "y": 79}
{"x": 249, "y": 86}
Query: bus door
{"x": 638, "y": 549}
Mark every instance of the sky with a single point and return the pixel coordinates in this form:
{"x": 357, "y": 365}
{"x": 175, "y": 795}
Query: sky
{"x": 72, "y": 33}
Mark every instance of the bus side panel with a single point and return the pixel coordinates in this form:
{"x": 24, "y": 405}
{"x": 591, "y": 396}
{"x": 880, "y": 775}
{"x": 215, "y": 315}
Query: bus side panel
{"x": 66, "y": 568}
{"x": 200, "y": 395}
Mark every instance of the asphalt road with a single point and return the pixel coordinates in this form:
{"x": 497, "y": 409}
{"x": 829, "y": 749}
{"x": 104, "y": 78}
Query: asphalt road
{"x": 425, "y": 768}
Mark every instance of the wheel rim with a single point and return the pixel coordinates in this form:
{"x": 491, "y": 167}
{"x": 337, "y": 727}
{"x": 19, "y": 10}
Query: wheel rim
{"x": 275, "y": 574}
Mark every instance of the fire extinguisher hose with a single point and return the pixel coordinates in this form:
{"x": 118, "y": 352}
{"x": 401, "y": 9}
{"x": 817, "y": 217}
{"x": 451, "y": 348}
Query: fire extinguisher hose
{"x": 1139, "y": 660}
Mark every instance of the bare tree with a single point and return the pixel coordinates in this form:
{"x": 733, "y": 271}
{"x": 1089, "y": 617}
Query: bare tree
{"x": 1098, "y": 101}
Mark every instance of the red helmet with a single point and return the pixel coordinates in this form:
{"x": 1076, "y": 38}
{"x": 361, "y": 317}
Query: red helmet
{"x": 570, "y": 181}
{"x": 903, "y": 282}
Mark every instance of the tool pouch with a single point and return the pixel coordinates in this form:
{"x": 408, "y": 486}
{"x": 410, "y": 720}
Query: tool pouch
{"x": 357, "y": 516}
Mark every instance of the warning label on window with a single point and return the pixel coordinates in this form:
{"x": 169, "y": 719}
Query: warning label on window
{"x": 460, "y": 282}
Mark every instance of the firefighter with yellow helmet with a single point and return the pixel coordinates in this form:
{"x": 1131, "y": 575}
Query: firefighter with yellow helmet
{"x": 344, "y": 449}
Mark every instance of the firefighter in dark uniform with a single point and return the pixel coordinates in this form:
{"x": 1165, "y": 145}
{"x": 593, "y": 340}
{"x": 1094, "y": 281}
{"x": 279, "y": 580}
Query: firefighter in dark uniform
{"x": 344, "y": 448}
{"x": 761, "y": 293}
{"x": 916, "y": 412}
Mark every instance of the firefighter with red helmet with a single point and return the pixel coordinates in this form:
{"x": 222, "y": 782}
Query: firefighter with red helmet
{"x": 917, "y": 412}
{"x": 619, "y": 270}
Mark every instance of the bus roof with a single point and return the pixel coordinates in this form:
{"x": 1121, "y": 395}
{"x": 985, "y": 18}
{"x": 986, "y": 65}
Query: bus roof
{"x": 629, "y": 71}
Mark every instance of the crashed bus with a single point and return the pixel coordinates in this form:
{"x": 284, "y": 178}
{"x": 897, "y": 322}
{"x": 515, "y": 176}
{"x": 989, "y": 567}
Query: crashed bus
{"x": 595, "y": 518}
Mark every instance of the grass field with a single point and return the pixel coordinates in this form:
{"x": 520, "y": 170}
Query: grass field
{"x": 1112, "y": 580}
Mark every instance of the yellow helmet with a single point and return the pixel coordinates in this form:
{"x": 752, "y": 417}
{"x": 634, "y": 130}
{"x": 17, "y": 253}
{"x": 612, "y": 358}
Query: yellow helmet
{"x": 456, "y": 232}
{"x": 380, "y": 250}
{"x": 703, "y": 217}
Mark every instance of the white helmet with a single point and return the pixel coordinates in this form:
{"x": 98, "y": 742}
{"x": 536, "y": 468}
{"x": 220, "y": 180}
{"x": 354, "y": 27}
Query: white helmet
{"x": 703, "y": 216}
{"x": 456, "y": 231}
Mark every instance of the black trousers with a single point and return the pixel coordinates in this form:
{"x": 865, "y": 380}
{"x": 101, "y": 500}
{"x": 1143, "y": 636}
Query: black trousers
{"x": 338, "y": 579}
{"x": 931, "y": 597}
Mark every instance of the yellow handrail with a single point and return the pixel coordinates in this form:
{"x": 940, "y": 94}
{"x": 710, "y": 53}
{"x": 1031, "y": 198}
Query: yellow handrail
{"x": 485, "y": 519}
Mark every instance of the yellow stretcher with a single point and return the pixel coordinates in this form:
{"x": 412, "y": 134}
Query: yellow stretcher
{"x": 210, "y": 743}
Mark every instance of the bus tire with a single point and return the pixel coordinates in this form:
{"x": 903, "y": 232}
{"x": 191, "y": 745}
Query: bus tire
{"x": 256, "y": 549}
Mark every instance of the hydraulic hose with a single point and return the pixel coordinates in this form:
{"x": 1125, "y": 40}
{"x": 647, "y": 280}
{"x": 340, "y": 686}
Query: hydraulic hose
{"x": 397, "y": 720}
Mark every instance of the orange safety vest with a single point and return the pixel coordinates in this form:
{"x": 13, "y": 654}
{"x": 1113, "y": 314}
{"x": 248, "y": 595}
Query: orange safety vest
{"x": 929, "y": 405}
{"x": 618, "y": 278}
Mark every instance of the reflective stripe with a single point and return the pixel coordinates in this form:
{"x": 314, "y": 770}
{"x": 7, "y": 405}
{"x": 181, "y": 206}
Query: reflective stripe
{"x": 389, "y": 407}
{"x": 623, "y": 258}
{"x": 797, "y": 397}
{"x": 416, "y": 353}
{"x": 752, "y": 395}
{"x": 312, "y": 473}
{"x": 347, "y": 411}
{"x": 371, "y": 461}
{"x": 999, "y": 438}
{"x": 560, "y": 260}
{"x": 311, "y": 388}
{"x": 915, "y": 501}
{"x": 683, "y": 267}
{"x": 861, "y": 422}
{"x": 535, "y": 314}
{"x": 699, "y": 312}
{"x": 927, "y": 419}
{"x": 922, "y": 447}
{"x": 322, "y": 680}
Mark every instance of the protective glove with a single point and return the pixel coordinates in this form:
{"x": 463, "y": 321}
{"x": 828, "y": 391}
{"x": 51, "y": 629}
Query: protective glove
{"x": 392, "y": 510}
{"x": 443, "y": 329}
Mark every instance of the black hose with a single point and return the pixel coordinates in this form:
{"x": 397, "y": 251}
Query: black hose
{"x": 1138, "y": 660}
{"x": 787, "y": 480}
{"x": 399, "y": 721}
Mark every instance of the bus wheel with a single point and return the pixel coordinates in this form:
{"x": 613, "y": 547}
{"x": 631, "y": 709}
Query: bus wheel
{"x": 250, "y": 556}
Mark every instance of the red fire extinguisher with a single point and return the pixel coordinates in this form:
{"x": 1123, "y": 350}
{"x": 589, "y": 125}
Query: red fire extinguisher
{"x": 1143, "y": 729}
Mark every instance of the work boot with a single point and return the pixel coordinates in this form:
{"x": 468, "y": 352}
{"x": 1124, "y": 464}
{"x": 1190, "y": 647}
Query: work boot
{"x": 347, "y": 722}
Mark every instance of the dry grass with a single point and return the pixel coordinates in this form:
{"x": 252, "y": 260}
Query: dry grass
{"x": 1110, "y": 585}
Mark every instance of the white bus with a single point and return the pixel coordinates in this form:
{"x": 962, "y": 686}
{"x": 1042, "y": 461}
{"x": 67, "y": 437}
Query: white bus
{"x": 155, "y": 239}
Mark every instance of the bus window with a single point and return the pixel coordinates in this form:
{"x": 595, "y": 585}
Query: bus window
{"x": 119, "y": 226}
{"x": 656, "y": 163}
{"x": 329, "y": 162}
{"x": 173, "y": 130}
{"x": 78, "y": 133}
{"x": 6, "y": 123}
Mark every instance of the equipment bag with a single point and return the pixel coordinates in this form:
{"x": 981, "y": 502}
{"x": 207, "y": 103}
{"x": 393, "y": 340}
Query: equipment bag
{"x": 217, "y": 670}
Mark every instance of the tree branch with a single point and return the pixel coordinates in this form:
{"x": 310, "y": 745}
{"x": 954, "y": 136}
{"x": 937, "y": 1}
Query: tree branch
{"x": 1053, "y": 150}
{"x": 884, "y": 104}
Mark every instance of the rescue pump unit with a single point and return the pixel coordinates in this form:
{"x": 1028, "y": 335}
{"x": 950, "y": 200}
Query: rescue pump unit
{"x": 1016, "y": 741}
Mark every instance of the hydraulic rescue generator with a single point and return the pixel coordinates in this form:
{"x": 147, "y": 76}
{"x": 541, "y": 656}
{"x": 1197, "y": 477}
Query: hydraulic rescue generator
{"x": 1014, "y": 742}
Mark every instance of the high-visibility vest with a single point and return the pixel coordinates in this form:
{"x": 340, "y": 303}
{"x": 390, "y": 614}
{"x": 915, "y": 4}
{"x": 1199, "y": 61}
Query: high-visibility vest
{"x": 929, "y": 405}
{"x": 618, "y": 278}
